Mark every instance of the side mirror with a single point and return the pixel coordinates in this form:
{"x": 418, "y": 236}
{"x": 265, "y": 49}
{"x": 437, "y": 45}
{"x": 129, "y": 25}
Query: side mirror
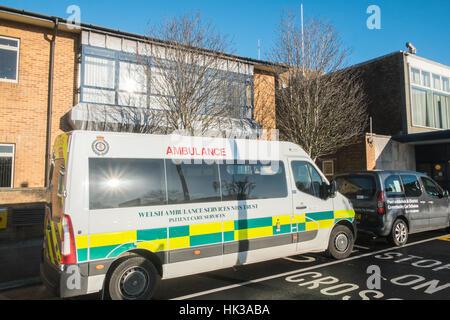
{"x": 445, "y": 194}
{"x": 332, "y": 189}
{"x": 328, "y": 191}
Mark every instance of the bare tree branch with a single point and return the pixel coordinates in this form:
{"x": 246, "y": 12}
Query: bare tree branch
{"x": 320, "y": 105}
{"x": 190, "y": 79}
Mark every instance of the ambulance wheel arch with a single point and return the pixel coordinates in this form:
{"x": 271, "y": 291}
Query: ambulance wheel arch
{"x": 342, "y": 239}
{"x": 139, "y": 265}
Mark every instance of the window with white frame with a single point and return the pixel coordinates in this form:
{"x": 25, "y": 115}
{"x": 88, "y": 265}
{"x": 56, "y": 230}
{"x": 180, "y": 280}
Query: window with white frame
{"x": 426, "y": 81}
{"x": 445, "y": 84}
{"x": 132, "y": 84}
{"x": 430, "y": 99}
{"x": 436, "y": 82}
{"x": 9, "y": 59}
{"x": 415, "y": 75}
{"x": 99, "y": 80}
{"x": 115, "y": 77}
{"x": 6, "y": 165}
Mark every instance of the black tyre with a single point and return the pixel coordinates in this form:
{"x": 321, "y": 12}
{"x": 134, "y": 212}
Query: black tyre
{"x": 399, "y": 233}
{"x": 133, "y": 278}
{"x": 341, "y": 242}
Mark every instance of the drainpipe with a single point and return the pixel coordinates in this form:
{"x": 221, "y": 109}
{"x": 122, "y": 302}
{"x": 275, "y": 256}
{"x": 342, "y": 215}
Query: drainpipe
{"x": 50, "y": 101}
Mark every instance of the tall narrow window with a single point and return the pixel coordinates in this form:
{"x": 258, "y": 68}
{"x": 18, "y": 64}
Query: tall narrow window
{"x": 9, "y": 59}
{"x": 436, "y": 82}
{"x": 132, "y": 84}
{"x": 6, "y": 165}
{"x": 415, "y": 76}
{"x": 445, "y": 84}
{"x": 426, "y": 81}
{"x": 99, "y": 76}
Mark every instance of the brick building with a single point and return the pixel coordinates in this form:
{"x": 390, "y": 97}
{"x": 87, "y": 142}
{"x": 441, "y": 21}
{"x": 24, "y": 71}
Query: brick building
{"x": 24, "y": 94}
{"x": 409, "y": 103}
{"x": 39, "y": 85}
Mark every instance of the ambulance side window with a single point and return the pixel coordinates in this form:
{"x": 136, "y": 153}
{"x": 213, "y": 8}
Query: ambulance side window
{"x": 307, "y": 178}
{"x": 302, "y": 177}
{"x": 248, "y": 180}
{"x": 192, "y": 182}
{"x": 316, "y": 180}
{"x": 126, "y": 183}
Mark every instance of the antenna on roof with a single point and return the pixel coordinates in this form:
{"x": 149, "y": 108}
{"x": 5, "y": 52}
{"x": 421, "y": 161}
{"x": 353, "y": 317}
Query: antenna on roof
{"x": 259, "y": 49}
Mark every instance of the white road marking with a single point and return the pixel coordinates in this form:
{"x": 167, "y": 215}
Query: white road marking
{"x": 305, "y": 260}
{"x": 237, "y": 285}
{"x": 361, "y": 247}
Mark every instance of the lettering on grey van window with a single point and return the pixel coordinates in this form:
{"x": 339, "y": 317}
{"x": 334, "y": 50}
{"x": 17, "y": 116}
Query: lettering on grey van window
{"x": 432, "y": 188}
{"x": 252, "y": 181}
{"x": 119, "y": 183}
{"x": 192, "y": 182}
{"x": 393, "y": 186}
{"x": 306, "y": 177}
{"x": 411, "y": 185}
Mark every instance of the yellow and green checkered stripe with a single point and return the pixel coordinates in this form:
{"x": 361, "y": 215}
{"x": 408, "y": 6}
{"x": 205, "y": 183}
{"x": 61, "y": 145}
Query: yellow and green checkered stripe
{"x": 110, "y": 245}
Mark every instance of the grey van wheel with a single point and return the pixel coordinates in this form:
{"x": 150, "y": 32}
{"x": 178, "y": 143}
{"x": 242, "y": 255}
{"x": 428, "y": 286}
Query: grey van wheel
{"x": 133, "y": 278}
{"x": 341, "y": 242}
{"x": 399, "y": 233}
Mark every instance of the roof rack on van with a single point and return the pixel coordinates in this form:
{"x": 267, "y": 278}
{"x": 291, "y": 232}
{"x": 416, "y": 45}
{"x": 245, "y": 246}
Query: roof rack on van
{"x": 113, "y": 118}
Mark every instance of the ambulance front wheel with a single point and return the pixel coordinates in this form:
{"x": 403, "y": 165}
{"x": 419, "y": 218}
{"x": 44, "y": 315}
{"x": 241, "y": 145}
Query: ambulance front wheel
{"x": 133, "y": 278}
{"x": 341, "y": 242}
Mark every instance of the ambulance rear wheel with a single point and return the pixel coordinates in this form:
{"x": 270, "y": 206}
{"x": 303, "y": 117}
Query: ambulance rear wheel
{"x": 133, "y": 278}
{"x": 341, "y": 242}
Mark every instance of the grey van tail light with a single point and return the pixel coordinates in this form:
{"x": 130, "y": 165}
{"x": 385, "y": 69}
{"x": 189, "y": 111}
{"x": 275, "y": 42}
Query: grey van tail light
{"x": 381, "y": 202}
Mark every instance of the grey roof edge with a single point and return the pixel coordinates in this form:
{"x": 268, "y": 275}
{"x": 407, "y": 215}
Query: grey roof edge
{"x": 134, "y": 36}
{"x": 399, "y": 52}
{"x": 375, "y": 59}
{"x": 424, "y": 136}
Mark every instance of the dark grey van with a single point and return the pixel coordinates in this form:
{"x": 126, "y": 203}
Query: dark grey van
{"x": 394, "y": 204}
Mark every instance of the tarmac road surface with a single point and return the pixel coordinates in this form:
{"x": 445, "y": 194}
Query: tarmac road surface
{"x": 375, "y": 271}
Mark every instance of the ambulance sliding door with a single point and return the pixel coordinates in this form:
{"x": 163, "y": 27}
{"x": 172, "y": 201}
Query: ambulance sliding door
{"x": 260, "y": 228}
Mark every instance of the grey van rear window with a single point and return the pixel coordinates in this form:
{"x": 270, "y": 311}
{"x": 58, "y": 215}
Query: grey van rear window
{"x": 356, "y": 187}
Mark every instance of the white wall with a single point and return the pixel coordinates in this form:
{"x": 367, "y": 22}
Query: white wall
{"x": 393, "y": 155}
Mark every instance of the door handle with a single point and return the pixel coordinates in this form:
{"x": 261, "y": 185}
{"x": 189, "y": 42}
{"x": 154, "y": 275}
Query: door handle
{"x": 301, "y": 207}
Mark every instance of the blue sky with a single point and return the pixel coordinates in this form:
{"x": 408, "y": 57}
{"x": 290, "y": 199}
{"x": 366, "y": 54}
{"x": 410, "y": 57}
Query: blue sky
{"x": 426, "y": 24}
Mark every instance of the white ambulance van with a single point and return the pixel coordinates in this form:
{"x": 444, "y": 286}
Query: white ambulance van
{"x": 126, "y": 210}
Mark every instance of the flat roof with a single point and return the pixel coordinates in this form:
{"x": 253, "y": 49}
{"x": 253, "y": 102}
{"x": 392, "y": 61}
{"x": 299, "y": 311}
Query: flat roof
{"x": 434, "y": 137}
{"x": 399, "y": 52}
{"x": 47, "y": 21}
